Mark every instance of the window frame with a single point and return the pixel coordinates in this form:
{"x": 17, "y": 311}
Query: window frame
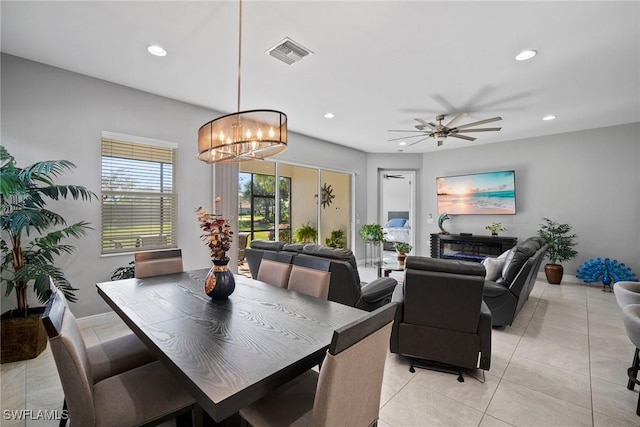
{"x": 155, "y": 244}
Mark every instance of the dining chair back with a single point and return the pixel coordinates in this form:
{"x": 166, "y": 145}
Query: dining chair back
{"x": 631, "y": 313}
{"x": 156, "y": 263}
{"x": 146, "y": 394}
{"x": 309, "y": 281}
{"x": 627, "y": 293}
{"x": 347, "y": 390}
{"x": 274, "y": 273}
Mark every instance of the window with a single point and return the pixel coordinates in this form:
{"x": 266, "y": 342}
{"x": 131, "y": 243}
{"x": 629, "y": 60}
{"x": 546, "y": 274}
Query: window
{"x": 139, "y": 202}
{"x": 257, "y": 201}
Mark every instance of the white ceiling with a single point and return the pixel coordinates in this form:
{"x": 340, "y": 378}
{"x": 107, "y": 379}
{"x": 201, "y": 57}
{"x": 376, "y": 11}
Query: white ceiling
{"x": 377, "y": 64}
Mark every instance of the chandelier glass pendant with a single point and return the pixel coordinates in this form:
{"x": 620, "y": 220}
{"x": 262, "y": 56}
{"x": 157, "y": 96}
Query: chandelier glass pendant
{"x": 245, "y": 135}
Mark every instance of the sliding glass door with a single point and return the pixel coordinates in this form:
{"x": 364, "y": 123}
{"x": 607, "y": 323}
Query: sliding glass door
{"x": 308, "y": 205}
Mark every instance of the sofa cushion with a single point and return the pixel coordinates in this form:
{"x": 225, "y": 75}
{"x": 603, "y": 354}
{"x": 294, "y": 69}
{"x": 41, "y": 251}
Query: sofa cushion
{"x": 493, "y": 267}
{"x": 293, "y": 247}
{"x": 333, "y": 253}
{"x": 514, "y": 261}
{"x": 267, "y": 245}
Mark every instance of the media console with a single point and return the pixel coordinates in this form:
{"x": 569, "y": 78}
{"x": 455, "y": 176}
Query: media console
{"x": 469, "y": 248}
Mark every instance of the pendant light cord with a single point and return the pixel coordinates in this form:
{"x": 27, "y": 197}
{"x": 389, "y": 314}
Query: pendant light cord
{"x": 239, "y": 49}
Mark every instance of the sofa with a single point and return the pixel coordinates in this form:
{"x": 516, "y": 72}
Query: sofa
{"x": 441, "y": 316}
{"x": 510, "y": 279}
{"x": 345, "y": 286}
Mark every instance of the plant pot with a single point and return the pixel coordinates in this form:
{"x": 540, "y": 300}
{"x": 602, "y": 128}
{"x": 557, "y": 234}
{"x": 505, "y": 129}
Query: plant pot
{"x": 554, "y": 273}
{"x": 401, "y": 258}
{"x": 22, "y": 337}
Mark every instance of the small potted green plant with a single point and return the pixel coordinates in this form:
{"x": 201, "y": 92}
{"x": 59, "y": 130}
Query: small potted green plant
{"x": 559, "y": 248}
{"x": 336, "y": 240}
{"x": 403, "y": 248}
{"x": 495, "y": 227}
{"x": 372, "y": 233}
{"x": 306, "y": 234}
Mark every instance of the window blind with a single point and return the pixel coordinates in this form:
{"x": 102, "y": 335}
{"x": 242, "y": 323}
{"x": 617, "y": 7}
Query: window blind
{"x": 139, "y": 202}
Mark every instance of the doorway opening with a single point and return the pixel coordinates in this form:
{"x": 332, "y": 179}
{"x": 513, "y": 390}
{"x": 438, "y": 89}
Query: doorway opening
{"x": 397, "y": 207}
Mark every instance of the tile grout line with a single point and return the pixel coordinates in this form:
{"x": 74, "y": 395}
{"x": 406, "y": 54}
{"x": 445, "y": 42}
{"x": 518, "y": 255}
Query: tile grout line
{"x": 510, "y": 358}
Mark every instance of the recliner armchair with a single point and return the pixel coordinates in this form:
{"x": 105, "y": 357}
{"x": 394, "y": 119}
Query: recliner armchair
{"x": 441, "y": 316}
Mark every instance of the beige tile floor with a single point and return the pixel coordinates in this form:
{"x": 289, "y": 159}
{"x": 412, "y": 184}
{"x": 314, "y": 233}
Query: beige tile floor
{"x": 562, "y": 363}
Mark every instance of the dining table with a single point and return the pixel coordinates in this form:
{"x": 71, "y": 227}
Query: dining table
{"x": 227, "y": 353}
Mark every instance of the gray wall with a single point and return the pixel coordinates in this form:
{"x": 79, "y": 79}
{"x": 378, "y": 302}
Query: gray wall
{"x": 49, "y": 113}
{"x": 589, "y": 179}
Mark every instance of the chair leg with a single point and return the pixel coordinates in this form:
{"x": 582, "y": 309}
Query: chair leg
{"x": 635, "y": 364}
{"x": 632, "y": 372}
{"x": 65, "y": 414}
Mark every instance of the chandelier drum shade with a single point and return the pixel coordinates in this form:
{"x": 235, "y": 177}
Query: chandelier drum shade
{"x": 245, "y": 135}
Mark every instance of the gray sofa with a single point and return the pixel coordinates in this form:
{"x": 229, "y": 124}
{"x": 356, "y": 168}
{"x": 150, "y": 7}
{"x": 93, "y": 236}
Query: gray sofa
{"x": 507, "y": 294}
{"x": 345, "y": 286}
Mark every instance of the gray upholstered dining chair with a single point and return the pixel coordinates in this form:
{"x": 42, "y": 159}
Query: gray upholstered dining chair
{"x": 632, "y": 325}
{"x": 156, "y": 263}
{"x": 309, "y": 281}
{"x": 274, "y": 273}
{"x": 347, "y": 390}
{"x": 143, "y": 395}
{"x": 627, "y": 293}
{"x": 111, "y": 357}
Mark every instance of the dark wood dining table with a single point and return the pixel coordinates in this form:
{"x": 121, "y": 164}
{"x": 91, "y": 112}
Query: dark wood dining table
{"x": 227, "y": 353}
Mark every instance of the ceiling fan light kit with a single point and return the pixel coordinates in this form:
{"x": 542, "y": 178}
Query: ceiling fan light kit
{"x": 441, "y": 132}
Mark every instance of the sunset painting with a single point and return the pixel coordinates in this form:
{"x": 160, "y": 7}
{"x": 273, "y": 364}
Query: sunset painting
{"x": 491, "y": 193}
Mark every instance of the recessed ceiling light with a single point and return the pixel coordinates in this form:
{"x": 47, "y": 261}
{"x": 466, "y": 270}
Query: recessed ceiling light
{"x": 549, "y": 117}
{"x": 526, "y": 54}
{"x": 329, "y": 116}
{"x": 402, "y": 143}
{"x": 156, "y": 50}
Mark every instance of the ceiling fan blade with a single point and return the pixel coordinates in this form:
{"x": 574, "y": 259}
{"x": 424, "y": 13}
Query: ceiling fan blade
{"x": 414, "y": 143}
{"x": 455, "y": 119}
{"x": 426, "y": 123}
{"x": 457, "y": 135}
{"x": 404, "y": 130}
{"x": 407, "y": 137}
{"x": 476, "y": 130}
{"x": 420, "y": 127}
{"x": 481, "y": 122}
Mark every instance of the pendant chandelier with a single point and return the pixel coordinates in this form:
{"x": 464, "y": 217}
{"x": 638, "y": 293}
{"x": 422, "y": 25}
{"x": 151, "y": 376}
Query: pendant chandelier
{"x": 245, "y": 135}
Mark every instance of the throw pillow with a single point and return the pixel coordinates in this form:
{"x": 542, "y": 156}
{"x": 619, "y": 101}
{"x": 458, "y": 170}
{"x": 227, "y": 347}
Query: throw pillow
{"x": 493, "y": 267}
{"x": 396, "y": 223}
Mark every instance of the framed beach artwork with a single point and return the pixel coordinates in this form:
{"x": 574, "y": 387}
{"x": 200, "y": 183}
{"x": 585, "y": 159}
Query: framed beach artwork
{"x": 489, "y": 193}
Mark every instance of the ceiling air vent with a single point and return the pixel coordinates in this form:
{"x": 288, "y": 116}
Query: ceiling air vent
{"x": 289, "y": 51}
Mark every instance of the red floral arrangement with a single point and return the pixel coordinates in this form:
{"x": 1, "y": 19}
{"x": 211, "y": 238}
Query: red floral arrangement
{"x": 216, "y": 234}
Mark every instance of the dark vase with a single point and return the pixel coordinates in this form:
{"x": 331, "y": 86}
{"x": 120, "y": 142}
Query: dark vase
{"x": 219, "y": 283}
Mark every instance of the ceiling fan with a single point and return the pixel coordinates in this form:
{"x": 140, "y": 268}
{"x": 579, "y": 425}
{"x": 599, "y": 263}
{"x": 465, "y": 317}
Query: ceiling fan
{"x": 440, "y": 132}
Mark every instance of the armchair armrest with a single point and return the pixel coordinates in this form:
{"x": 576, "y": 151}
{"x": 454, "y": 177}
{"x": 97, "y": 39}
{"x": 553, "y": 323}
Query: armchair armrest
{"x": 484, "y": 330}
{"x": 376, "y": 294}
{"x": 378, "y": 289}
{"x": 398, "y": 299}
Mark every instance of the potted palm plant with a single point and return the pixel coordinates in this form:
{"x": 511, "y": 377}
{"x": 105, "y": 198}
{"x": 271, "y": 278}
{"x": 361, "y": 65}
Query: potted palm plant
{"x": 560, "y": 248}
{"x": 32, "y": 237}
